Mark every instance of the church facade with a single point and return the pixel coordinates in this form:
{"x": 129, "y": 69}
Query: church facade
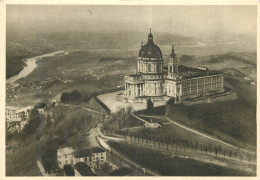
{"x": 154, "y": 81}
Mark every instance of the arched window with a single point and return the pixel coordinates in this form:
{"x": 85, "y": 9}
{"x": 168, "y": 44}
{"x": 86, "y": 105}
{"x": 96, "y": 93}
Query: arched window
{"x": 149, "y": 67}
{"x": 158, "y": 67}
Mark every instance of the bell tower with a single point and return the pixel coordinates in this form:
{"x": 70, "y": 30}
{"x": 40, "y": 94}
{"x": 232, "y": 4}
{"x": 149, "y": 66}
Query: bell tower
{"x": 173, "y": 64}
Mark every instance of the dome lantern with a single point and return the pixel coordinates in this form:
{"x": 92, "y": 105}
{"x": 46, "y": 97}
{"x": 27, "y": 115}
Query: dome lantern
{"x": 150, "y": 37}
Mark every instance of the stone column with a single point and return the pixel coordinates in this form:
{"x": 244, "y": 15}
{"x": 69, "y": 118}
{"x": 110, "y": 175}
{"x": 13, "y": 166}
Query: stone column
{"x": 132, "y": 90}
{"x": 125, "y": 90}
{"x": 136, "y": 89}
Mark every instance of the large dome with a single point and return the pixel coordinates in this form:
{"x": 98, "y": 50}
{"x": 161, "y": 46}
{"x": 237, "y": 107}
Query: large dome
{"x": 150, "y": 50}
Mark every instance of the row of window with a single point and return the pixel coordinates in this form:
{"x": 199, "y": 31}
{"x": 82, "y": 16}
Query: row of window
{"x": 199, "y": 83}
{"x": 158, "y": 67}
{"x": 201, "y": 80}
{"x": 201, "y": 87}
{"x": 188, "y": 91}
{"x": 148, "y": 77}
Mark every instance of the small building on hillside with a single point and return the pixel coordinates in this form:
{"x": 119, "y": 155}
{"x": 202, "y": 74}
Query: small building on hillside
{"x": 82, "y": 169}
{"x": 41, "y": 110}
{"x": 13, "y": 113}
{"x": 17, "y": 117}
{"x": 92, "y": 157}
{"x": 65, "y": 156}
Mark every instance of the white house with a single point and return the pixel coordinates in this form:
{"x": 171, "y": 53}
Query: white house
{"x": 65, "y": 156}
{"x": 17, "y": 117}
{"x": 92, "y": 157}
{"x": 16, "y": 113}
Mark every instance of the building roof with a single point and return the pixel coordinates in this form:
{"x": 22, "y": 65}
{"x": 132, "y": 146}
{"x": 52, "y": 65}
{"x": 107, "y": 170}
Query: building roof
{"x": 189, "y": 72}
{"x": 24, "y": 109}
{"x": 84, "y": 169}
{"x": 150, "y": 49}
{"x": 124, "y": 171}
{"x": 87, "y": 152}
{"x": 66, "y": 150}
{"x": 12, "y": 108}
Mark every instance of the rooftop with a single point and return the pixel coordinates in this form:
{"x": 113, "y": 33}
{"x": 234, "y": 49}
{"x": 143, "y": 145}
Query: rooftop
{"x": 66, "y": 150}
{"x": 12, "y": 108}
{"x": 24, "y": 109}
{"x": 189, "y": 72}
{"x": 87, "y": 152}
{"x": 84, "y": 169}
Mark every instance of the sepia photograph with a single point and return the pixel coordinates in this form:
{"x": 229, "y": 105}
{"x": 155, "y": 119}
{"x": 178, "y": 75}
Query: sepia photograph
{"x": 130, "y": 90}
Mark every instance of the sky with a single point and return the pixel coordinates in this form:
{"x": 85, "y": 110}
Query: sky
{"x": 184, "y": 20}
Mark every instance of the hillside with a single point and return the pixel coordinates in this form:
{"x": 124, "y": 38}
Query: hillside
{"x": 68, "y": 126}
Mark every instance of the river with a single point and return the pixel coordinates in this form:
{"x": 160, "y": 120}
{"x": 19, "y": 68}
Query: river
{"x": 31, "y": 65}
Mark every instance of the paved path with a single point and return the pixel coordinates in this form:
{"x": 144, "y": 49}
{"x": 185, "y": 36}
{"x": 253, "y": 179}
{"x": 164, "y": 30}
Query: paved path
{"x": 92, "y": 137}
{"x": 96, "y": 132}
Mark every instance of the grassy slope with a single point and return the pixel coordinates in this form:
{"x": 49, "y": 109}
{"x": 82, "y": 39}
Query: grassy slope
{"x": 174, "y": 166}
{"x": 236, "y": 118}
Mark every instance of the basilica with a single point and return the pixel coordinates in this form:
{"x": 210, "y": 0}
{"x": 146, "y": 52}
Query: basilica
{"x": 153, "y": 80}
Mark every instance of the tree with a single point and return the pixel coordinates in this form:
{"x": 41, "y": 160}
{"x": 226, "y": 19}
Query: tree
{"x": 224, "y": 152}
{"x": 149, "y": 105}
{"x": 75, "y": 96}
{"x": 65, "y": 97}
{"x": 230, "y": 153}
{"x": 40, "y": 105}
{"x": 210, "y": 148}
{"x": 33, "y": 123}
{"x": 216, "y": 150}
{"x": 48, "y": 121}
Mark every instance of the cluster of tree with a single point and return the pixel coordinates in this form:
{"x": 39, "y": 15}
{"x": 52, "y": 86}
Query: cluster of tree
{"x": 35, "y": 119}
{"x": 120, "y": 119}
{"x": 40, "y": 105}
{"x": 171, "y": 143}
{"x": 149, "y": 105}
{"x": 167, "y": 165}
{"x": 76, "y": 96}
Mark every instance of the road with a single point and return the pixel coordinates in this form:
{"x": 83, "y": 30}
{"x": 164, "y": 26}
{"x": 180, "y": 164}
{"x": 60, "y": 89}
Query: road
{"x": 93, "y": 133}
